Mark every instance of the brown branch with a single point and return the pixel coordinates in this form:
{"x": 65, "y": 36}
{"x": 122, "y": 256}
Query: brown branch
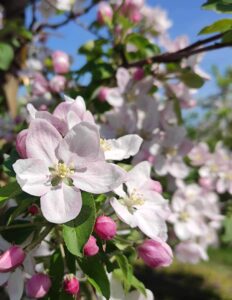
{"x": 174, "y": 57}
{"x": 71, "y": 16}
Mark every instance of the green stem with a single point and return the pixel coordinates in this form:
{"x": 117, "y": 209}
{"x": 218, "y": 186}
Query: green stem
{"x": 16, "y": 226}
{"x": 42, "y": 235}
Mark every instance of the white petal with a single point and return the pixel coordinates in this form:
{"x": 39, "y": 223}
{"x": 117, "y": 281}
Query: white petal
{"x": 15, "y": 285}
{"x": 151, "y": 224}
{"x": 99, "y": 177}
{"x": 42, "y": 141}
{"x": 61, "y": 204}
{"x": 4, "y": 277}
{"x": 123, "y": 213}
{"x": 123, "y": 147}
{"x": 114, "y": 97}
{"x": 123, "y": 78}
{"x": 32, "y": 175}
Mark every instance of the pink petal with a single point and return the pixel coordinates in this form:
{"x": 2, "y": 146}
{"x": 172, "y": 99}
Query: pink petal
{"x": 61, "y": 204}
{"x": 42, "y": 141}
{"x": 83, "y": 141}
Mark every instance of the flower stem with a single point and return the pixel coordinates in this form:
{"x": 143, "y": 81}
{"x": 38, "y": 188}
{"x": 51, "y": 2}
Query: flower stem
{"x": 16, "y": 226}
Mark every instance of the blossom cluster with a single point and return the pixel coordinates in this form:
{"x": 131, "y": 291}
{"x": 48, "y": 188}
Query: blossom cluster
{"x": 105, "y": 179}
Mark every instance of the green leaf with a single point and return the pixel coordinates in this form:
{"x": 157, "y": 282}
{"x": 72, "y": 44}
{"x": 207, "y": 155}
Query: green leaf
{"x": 10, "y": 191}
{"x": 56, "y": 273}
{"x": 126, "y": 269}
{"x": 227, "y": 37}
{"x": 17, "y": 235}
{"x": 6, "y": 56}
{"x": 145, "y": 48}
{"x": 96, "y": 274}
{"x": 76, "y": 232}
{"x": 227, "y": 237}
{"x": 220, "y": 6}
{"x": 219, "y": 26}
{"x": 191, "y": 79}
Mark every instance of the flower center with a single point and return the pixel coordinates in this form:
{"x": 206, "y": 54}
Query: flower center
{"x": 184, "y": 216}
{"x": 105, "y": 145}
{"x": 133, "y": 199}
{"x": 61, "y": 172}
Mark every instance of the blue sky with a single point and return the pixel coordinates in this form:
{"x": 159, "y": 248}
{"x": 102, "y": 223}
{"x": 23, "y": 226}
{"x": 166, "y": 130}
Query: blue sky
{"x": 187, "y": 16}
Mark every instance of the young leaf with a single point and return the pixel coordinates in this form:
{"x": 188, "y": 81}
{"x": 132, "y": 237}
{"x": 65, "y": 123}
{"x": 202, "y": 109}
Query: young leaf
{"x": 126, "y": 269}
{"x": 219, "y": 26}
{"x": 10, "y": 191}
{"x": 6, "y": 56}
{"x": 76, "y": 232}
{"x": 227, "y": 237}
{"x": 96, "y": 274}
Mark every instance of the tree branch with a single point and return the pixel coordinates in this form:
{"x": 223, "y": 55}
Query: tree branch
{"x": 173, "y": 57}
{"x": 70, "y": 16}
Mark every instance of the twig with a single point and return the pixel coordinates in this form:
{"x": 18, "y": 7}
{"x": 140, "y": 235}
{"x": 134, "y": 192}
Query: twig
{"x": 173, "y": 57}
{"x": 69, "y": 17}
{"x": 16, "y": 226}
{"x": 33, "y": 9}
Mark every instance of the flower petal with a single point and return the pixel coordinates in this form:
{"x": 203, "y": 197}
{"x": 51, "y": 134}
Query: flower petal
{"x": 32, "y": 175}
{"x": 15, "y": 285}
{"x": 99, "y": 177}
{"x": 82, "y": 141}
{"x": 123, "y": 213}
{"x": 151, "y": 224}
{"x": 61, "y": 204}
{"x": 114, "y": 97}
{"x": 42, "y": 140}
{"x": 123, "y": 147}
{"x": 4, "y": 277}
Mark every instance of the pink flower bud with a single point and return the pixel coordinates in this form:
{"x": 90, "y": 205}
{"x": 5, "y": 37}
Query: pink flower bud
{"x": 103, "y": 93}
{"x": 38, "y": 286}
{"x": 11, "y": 259}
{"x": 104, "y": 13}
{"x": 43, "y": 107}
{"x": 105, "y": 228}
{"x": 57, "y": 83}
{"x": 21, "y": 143}
{"x": 138, "y": 74}
{"x": 71, "y": 284}
{"x": 60, "y": 62}
{"x": 91, "y": 248}
{"x": 33, "y": 210}
{"x": 135, "y": 16}
{"x": 156, "y": 186}
{"x": 155, "y": 253}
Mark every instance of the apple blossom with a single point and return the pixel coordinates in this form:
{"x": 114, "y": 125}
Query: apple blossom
{"x": 57, "y": 83}
{"x": 190, "y": 252}
{"x": 139, "y": 205}
{"x": 199, "y": 154}
{"x": 57, "y": 168}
